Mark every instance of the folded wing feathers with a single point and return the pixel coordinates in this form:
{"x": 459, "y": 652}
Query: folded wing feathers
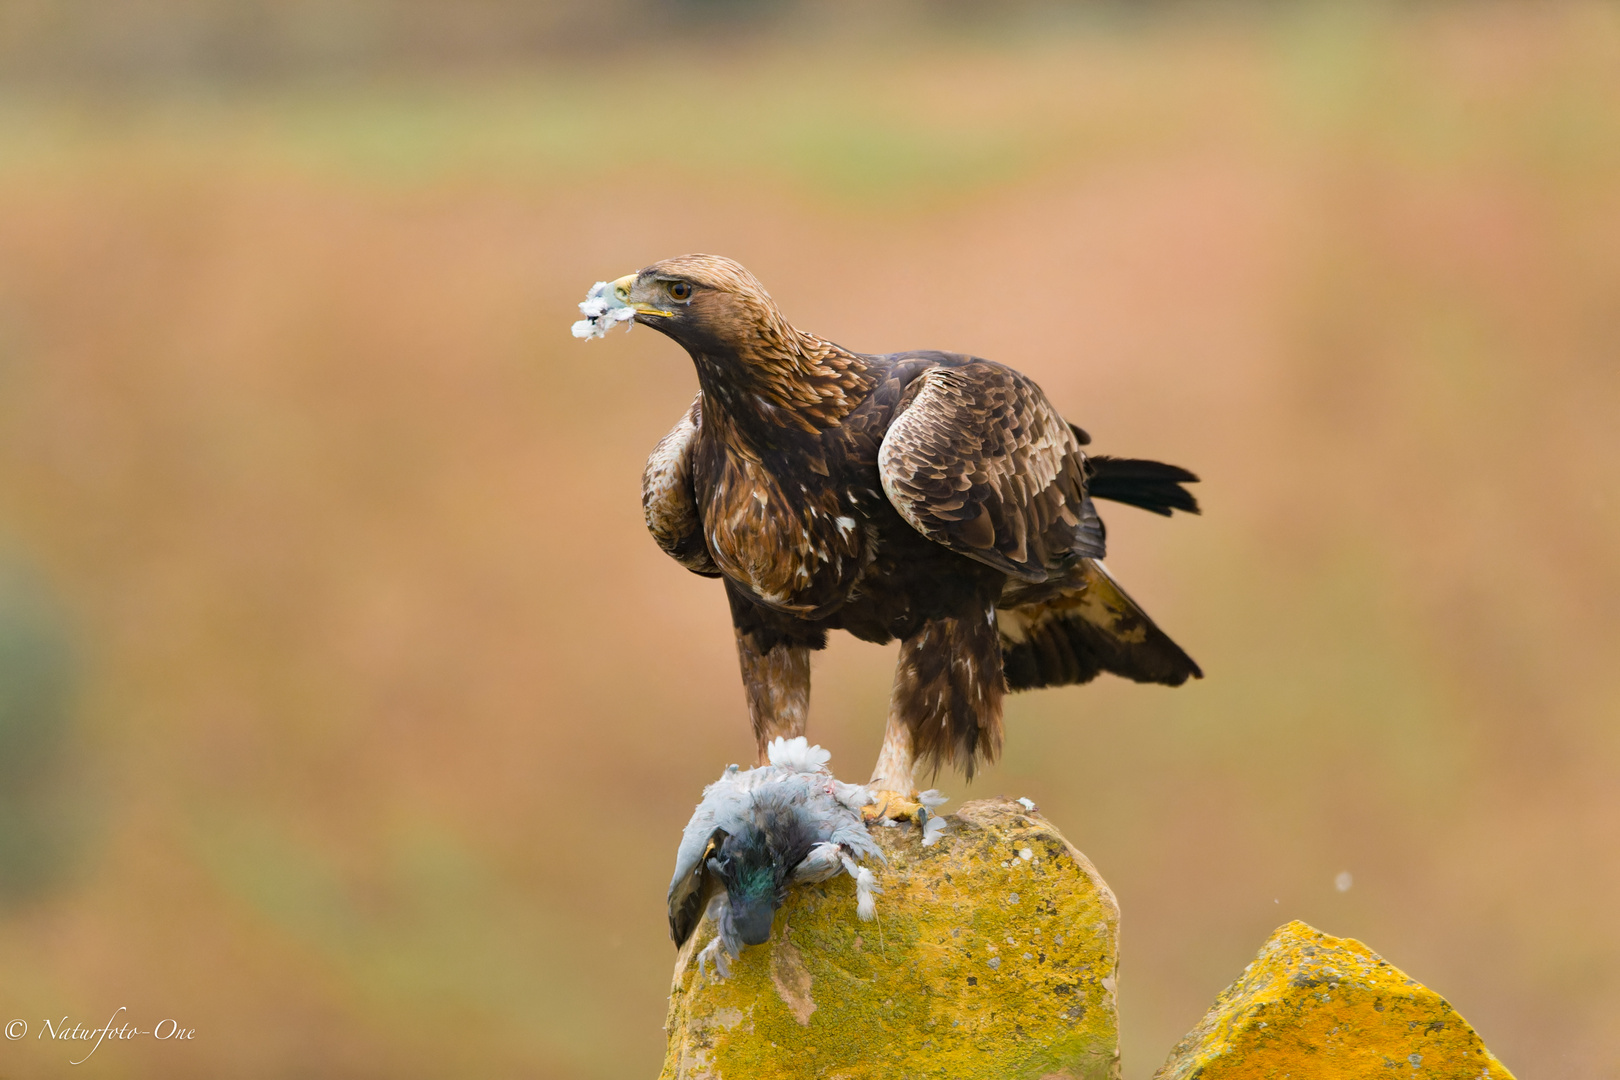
{"x": 981, "y": 462}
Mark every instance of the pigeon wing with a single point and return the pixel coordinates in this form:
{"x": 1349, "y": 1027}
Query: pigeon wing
{"x": 687, "y": 892}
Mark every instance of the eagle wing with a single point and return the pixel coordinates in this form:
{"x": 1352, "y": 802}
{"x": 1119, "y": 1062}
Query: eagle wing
{"x": 978, "y": 460}
{"x": 1087, "y": 628}
{"x": 668, "y": 499}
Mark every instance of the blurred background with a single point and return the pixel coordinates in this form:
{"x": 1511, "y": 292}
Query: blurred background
{"x": 348, "y": 715}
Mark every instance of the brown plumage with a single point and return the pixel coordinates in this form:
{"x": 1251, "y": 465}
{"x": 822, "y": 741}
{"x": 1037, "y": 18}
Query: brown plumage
{"x": 932, "y": 497}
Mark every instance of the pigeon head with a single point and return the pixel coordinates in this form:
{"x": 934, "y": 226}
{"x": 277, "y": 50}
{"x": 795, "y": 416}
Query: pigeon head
{"x": 756, "y": 863}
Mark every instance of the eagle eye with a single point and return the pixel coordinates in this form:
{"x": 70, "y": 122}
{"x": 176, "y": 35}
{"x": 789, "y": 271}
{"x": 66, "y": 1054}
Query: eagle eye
{"x": 680, "y": 290}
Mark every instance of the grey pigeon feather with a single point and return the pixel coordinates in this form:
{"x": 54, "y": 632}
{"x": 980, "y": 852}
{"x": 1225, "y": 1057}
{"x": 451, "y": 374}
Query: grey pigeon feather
{"x": 757, "y": 830}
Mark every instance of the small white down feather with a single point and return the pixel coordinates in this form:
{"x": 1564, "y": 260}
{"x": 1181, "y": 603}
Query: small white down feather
{"x": 797, "y": 754}
{"x": 602, "y": 311}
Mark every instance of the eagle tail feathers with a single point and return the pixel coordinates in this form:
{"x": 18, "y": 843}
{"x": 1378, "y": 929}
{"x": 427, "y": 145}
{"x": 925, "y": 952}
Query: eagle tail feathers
{"x": 1075, "y": 636}
{"x": 1147, "y": 485}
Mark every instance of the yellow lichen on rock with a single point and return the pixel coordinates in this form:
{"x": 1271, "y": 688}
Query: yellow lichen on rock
{"x": 1315, "y": 1007}
{"x": 993, "y": 955}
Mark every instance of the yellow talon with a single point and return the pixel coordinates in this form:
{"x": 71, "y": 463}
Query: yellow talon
{"x": 891, "y": 806}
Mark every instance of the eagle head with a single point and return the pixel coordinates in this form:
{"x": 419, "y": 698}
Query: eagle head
{"x": 756, "y": 863}
{"x": 708, "y": 303}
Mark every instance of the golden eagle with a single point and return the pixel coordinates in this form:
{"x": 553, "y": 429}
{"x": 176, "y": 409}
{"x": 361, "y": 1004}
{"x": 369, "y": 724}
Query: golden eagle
{"x": 930, "y": 497}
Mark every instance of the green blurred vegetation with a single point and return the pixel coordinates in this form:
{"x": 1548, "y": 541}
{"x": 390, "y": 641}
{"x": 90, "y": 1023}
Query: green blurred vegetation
{"x": 246, "y": 42}
{"x": 39, "y": 817}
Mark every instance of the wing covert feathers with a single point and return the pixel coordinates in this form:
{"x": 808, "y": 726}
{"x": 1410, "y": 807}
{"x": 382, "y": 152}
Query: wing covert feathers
{"x": 978, "y": 460}
{"x": 668, "y": 499}
{"x": 1095, "y": 627}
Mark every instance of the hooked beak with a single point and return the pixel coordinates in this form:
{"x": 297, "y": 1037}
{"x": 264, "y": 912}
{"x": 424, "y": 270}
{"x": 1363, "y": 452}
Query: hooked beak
{"x": 623, "y": 289}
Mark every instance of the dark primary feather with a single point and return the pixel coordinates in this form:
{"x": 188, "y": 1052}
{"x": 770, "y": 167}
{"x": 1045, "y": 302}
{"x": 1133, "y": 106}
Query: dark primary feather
{"x": 688, "y": 895}
{"x": 1074, "y": 636}
{"x": 1150, "y": 485}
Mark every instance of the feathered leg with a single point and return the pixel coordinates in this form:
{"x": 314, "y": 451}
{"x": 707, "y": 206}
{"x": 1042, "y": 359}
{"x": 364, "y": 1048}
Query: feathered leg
{"x": 945, "y": 707}
{"x": 775, "y": 658}
{"x": 777, "y": 683}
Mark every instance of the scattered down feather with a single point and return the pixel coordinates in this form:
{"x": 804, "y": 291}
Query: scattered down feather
{"x": 603, "y": 311}
{"x": 933, "y": 823}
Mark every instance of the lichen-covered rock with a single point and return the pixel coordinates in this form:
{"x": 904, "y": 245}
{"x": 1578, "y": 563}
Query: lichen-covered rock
{"x": 993, "y": 955}
{"x": 1326, "y": 1008}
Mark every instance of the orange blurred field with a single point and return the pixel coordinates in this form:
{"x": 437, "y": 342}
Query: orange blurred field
{"x": 386, "y": 711}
